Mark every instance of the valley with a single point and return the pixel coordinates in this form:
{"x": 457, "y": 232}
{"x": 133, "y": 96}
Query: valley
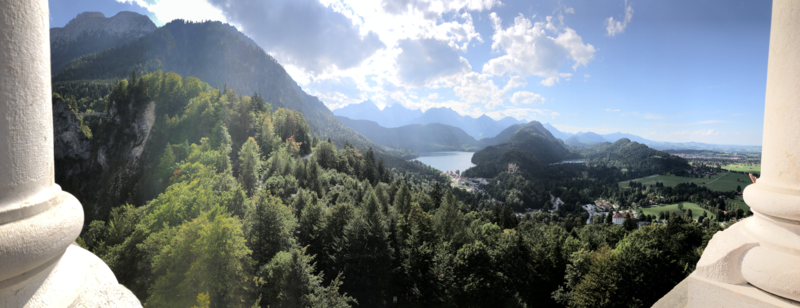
{"x": 208, "y": 174}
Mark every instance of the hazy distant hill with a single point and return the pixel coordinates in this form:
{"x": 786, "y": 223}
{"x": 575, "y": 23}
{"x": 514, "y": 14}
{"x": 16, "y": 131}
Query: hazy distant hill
{"x": 397, "y": 115}
{"x": 581, "y": 139}
{"x": 92, "y": 31}
{"x": 557, "y": 133}
{"x": 589, "y": 138}
{"x": 531, "y": 137}
{"x": 637, "y": 158}
{"x": 392, "y": 116}
{"x": 418, "y": 137}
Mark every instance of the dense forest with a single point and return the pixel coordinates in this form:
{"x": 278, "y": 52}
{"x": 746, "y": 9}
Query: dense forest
{"x": 638, "y": 159}
{"x": 244, "y": 205}
{"x": 531, "y": 137}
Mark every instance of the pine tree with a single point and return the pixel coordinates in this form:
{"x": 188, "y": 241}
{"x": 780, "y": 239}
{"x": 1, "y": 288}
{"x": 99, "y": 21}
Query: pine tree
{"x": 249, "y": 164}
{"x": 367, "y": 254}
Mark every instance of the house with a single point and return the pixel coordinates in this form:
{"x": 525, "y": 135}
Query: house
{"x": 618, "y": 219}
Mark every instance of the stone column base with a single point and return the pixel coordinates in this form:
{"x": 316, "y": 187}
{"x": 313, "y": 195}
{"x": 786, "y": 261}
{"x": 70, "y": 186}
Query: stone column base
{"x": 708, "y": 294}
{"x": 77, "y": 278}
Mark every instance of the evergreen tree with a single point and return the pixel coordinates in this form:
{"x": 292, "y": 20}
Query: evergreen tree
{"x": 436, "y": 195}
{"x": 367, "y": 254}
{"x": 249, "y": 164}
{"x": 402, "y": 201}
{"x": 269, "y": 227}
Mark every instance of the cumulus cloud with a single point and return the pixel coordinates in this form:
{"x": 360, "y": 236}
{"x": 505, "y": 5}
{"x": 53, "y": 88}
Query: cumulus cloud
{"x": 527, "y": 114}
{"x": 527, "y": 98}
{"x": 168, "y": 10}
{"x": 618, "y": 26}
{"x": 480, "y": 88}
{"x": 336, "y": 92}
{"x": 434, "y": 8}
{"x": 425, "y": 60}
{"x": 304, "y": 33}
{"x": 530, "y": 50}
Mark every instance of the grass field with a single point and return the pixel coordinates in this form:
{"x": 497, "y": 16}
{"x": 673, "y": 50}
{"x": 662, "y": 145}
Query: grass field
{"x": 743, "y": 168}
{"x": 697, "y": 211}
{"x": 725, "y": 181}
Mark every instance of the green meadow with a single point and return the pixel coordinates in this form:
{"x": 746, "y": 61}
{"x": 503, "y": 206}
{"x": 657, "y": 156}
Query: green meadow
{"x": 697, "y": 211}
{"x": 724, "y": 181}
{"x": 743, "y": 168}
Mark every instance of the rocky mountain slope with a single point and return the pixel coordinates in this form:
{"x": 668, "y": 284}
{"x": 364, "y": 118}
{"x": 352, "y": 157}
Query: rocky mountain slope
{"x": 92, "y": 31}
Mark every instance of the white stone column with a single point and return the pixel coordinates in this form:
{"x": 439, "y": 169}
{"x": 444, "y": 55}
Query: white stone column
{"x": 38, "y": 222}
{"x": 756, "y": 262}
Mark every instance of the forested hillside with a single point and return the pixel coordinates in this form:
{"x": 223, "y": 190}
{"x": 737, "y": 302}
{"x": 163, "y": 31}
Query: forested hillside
{"x": 422, "y": 138}
{"x": 531, "y": 137}
{"x": 220, "y": 56}
{"x": 638, "y": 159}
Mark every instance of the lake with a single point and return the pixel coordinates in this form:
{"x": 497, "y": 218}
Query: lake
{"x": 450, "y": 160}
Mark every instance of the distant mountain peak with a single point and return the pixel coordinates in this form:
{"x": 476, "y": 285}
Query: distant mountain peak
{"x": 123, "y": 23}
{"x": 92, "y": 31}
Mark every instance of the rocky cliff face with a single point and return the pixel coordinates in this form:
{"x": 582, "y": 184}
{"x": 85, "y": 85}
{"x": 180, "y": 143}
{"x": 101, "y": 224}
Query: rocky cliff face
{"x": 72, "y": 147}
{"x": 102, "y": 170}
{"x": 92, "y": 31}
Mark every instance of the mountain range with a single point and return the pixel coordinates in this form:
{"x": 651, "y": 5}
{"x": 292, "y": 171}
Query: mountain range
{"x": 590, "y": 138}
{"x": 91, "y": 32}
{"x": 397, "y": 115}
{"x": 431, "y": 137}
{"x": 213, "y": 52}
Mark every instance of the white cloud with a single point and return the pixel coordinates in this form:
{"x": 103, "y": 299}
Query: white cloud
{"x": 169, "y": 10}
{"x": 601, "y": 129}
{"x": 703, "y": 132}
{"x": 527, "y": 98}
{"x": 612, "y": 110}
{"x": 527, "y": 114}
{"x": 433, "y": 96}
{"x": 529, "y": 50}
{"x": 425, "y": 60}
{"x": 283, "y": 28}
{"x": 569, "y": 10}
{"x": 475, "y": 88}
{"x": 653, "y": 116}
{"x": 431, "y": 9}
{"x": 479, "y": 88}
{"x": 616, "y": 26}
{"x": 336, "y": 92}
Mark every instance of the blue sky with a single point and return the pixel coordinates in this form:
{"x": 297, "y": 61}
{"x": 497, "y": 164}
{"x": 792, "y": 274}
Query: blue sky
{"x": 666, "y": 70}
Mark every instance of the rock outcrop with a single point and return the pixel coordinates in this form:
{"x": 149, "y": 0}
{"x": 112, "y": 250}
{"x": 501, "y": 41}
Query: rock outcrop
{"x": 72, "y": 147}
